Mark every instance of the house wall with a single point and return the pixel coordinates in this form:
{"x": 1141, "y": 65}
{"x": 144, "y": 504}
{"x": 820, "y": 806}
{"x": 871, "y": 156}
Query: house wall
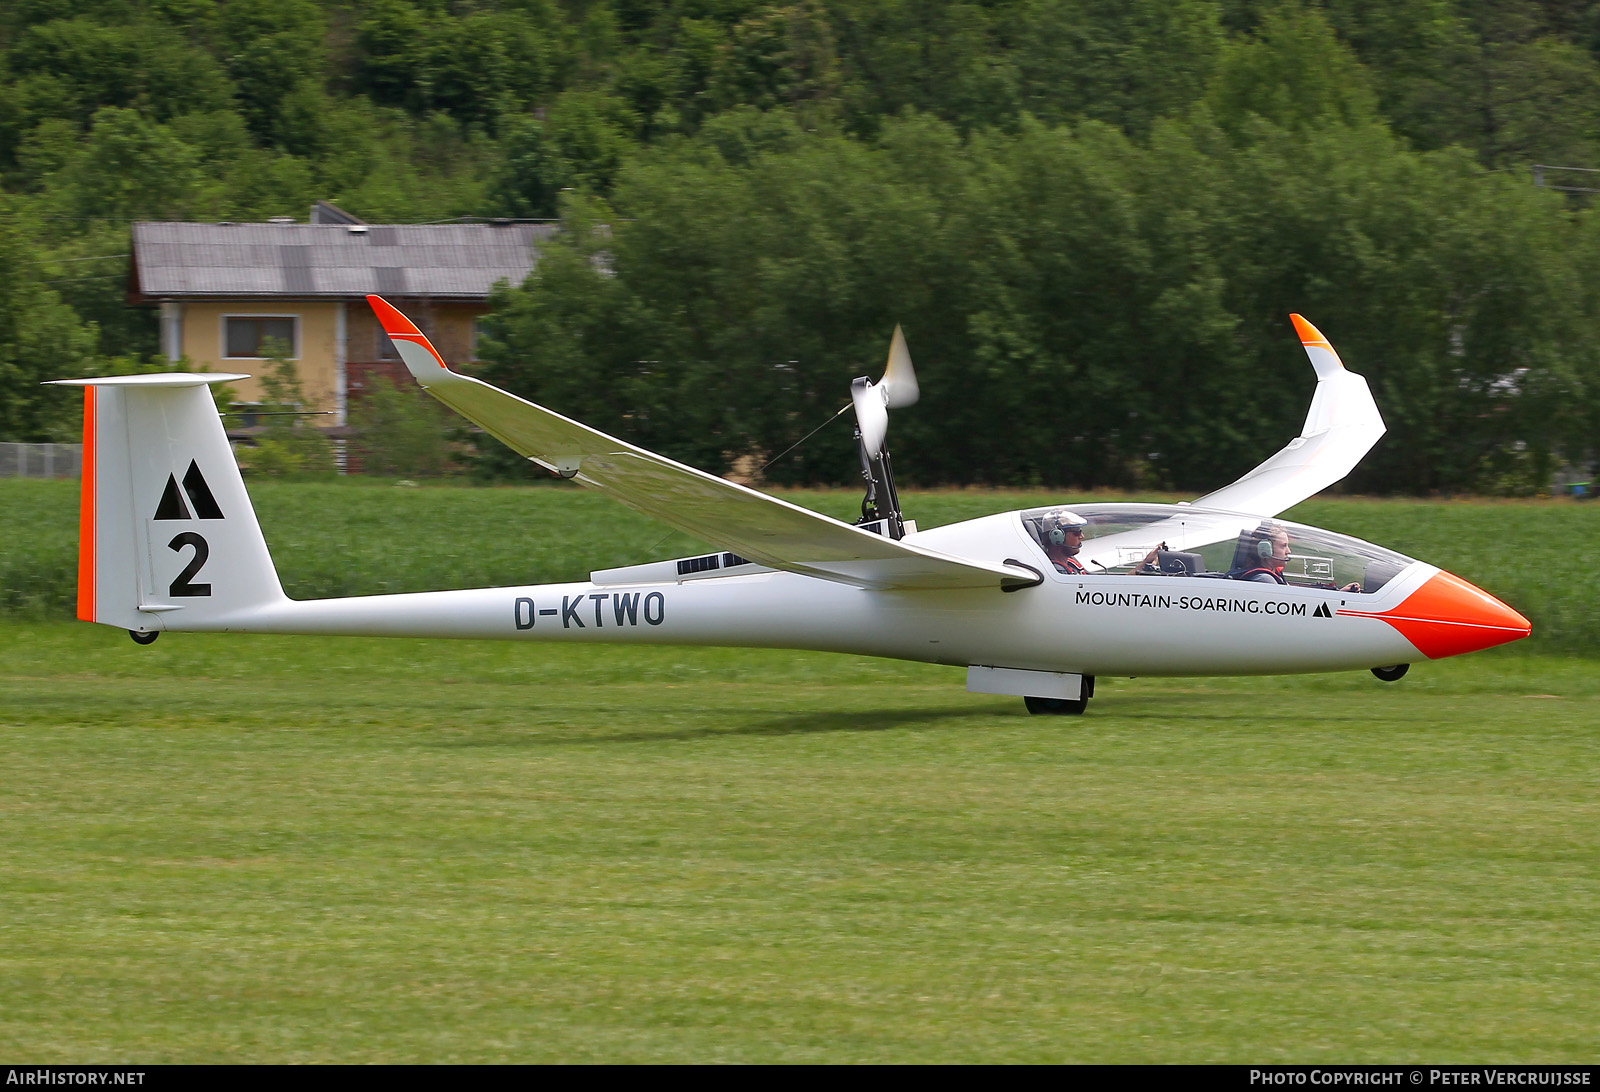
{"x": 319, "y": 361}
{"x": 317, "y": 354}
{"x": 448, "y": 326}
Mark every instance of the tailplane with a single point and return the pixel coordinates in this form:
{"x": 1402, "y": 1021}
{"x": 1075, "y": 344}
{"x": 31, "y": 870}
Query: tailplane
{"x": 167, "y": 536}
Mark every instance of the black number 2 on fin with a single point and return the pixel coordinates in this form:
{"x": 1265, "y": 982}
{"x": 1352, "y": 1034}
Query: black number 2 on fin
{"x": 181, "y": 588}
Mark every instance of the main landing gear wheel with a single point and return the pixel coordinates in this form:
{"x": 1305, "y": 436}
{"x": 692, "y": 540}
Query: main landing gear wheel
{"x": 144, "y": 638}
{"x": 1392, "y": 673}
{"x": 1062, "y": 707}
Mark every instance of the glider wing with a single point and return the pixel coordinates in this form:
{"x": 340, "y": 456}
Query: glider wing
{"x": 730, "y": 516}
{"x": 1340, "y": 429}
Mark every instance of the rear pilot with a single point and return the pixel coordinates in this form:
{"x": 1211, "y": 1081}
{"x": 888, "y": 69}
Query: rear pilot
{"x": 1261, "y": 555}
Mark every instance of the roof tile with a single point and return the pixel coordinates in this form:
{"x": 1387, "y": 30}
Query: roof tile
{"x": 445, "y": 261}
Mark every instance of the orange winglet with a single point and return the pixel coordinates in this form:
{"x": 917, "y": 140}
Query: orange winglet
{"x": 400, "y": 328}
{"x": 1309, "y": 334}
{"x": 1448, "y": 616}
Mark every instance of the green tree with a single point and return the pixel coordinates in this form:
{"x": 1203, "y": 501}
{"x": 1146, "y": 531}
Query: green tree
{"x": 128, "y": 168}
{"x": 403, "y": 433}
{"x": 70, "y": 68}
{"x": 1084, "y": 309}
{"x": 1294, "y": 73}
{"x": 40, "y": 339}
{"x": 934, "y": 58}
{"x": 475, "y": 68}
{"x": 581, "y": 145}
{"x": 271, "y": 49}
{"x": 1121, "y": 62}
{"x": 1503, "y": 85}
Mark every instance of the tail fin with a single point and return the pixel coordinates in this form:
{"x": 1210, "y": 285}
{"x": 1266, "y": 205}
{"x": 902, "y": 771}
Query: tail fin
{"x": 167, "y": 536}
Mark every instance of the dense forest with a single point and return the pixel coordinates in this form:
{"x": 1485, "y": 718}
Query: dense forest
{"x": 1092, "y": 217}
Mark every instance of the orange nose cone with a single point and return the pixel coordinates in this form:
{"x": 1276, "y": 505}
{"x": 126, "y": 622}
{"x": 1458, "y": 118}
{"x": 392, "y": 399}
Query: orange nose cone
{"x": 1447, "y": 616}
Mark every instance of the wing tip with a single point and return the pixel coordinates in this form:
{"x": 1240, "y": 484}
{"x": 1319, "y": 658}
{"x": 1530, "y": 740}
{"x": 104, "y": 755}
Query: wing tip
{"x": 396, "y": 325}
{"x": 1309, "y": 335}
{"x": 1324, "y": 357}
{"x": 391, "y": 318}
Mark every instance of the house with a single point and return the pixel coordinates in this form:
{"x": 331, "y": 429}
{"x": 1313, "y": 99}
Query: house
{"x": 228, "y": 291}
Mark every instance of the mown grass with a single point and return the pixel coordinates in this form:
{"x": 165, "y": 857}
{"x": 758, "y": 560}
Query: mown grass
{"x": 300, "y": 849}
{"x": 366, "y": 537}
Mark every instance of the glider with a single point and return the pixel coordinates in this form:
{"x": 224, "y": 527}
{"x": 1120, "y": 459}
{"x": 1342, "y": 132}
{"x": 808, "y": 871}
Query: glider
{"x": 1034, "y": 603}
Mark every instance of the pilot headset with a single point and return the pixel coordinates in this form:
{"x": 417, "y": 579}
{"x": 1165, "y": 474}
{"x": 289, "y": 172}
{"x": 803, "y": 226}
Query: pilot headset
{"x": 1265, "y": 549}
{"x": 1061, "y": 523}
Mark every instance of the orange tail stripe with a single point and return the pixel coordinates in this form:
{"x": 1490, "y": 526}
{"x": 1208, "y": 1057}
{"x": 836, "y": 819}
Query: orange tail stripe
{"x": 86, "y": 541}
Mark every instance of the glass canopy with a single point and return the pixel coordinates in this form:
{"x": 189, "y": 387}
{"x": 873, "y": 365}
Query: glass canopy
{"x": 1177, "y": 540}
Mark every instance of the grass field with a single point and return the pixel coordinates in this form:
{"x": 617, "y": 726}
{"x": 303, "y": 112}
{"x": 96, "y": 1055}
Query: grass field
{"x": 297, "y": 849}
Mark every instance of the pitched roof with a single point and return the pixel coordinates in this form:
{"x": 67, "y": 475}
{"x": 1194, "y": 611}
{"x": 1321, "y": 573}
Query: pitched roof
{"x": 293, "y": 260}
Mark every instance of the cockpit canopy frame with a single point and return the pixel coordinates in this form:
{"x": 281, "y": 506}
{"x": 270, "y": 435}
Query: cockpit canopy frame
{"x": 1183, "y": 540}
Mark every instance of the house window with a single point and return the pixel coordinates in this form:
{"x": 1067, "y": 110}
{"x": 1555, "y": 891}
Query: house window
{"x": 247, "y": 336}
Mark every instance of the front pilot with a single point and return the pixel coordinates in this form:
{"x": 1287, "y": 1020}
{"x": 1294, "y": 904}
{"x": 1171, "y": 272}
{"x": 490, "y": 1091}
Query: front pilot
{"x": 1063, "y": 538}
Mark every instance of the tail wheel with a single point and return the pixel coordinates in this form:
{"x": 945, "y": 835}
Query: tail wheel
{"x": 144, "y": 638}
{"x": 1392, "y": 673}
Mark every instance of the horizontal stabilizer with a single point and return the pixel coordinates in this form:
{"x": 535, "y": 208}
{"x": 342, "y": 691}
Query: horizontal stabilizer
{"x": 159, "y": 379}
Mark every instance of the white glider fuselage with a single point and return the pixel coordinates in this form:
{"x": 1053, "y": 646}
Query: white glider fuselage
{"x": 1090, "y": 624}
{"x": 1095, "y": 625}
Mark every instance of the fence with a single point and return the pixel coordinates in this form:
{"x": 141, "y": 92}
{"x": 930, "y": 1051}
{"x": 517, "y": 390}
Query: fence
{"x": 41, "y": 460}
